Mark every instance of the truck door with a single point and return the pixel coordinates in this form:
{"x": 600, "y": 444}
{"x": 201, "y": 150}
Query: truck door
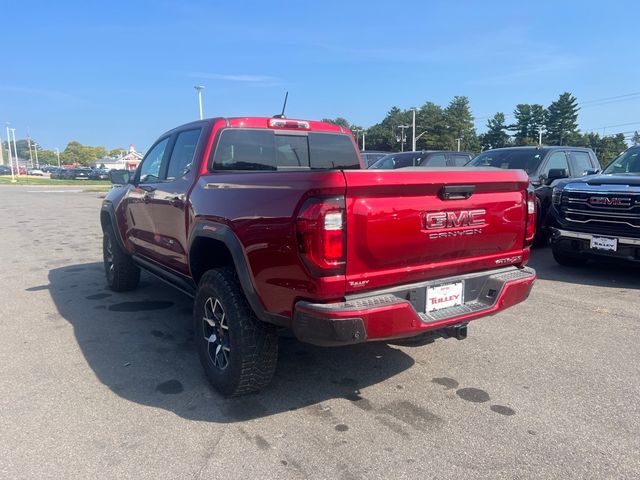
{"x": 170, "y": 202}
{"x": 138, "y": 203}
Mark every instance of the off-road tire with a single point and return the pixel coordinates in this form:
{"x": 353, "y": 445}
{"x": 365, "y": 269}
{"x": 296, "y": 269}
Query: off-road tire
{"x": 247, "y": 346}
{"x": 122, "y": 273}
{"x": 568, "y": 260}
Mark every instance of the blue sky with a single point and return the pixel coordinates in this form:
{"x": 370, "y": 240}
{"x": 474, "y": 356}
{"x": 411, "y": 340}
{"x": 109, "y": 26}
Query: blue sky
{"x": 115, "y": 73}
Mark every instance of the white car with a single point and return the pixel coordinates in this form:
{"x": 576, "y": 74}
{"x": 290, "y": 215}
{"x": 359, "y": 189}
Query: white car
{"x": 35, "y": 172}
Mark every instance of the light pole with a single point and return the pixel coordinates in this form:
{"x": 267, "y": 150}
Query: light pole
{"x": 419, "y": 137}
{"x": 15, "y": 150}
{"x": 199, "y": 89}
{"x": 13, "y": 178}
{"x": 458, "y": 140}
{"x": 363, "y": 136}
{"x": 29, "y": 145}
{"x": 403, "y": 136}
{"x": 35, "y": 148}
{"x": 58, "y": 154}
{"x": 414, "y": 130}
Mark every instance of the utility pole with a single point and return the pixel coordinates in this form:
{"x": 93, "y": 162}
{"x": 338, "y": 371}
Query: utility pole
{"x": 15, "y": 149}
{"x": 29, "y": 145}
{"x": 458, "y": 140}
{"x": 403, "y": 136}
{"x": 199, "y": 89}
{"x": 540, "y": 136}
{"x": 13, "y": 178}
{"x": 414, "y": 130}
{"x": 58, "y": 154}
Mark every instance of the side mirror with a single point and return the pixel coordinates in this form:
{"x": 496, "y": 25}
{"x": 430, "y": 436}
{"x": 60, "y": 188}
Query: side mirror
{"x": 120, "y": 177}
{"x": 591, "y": 171}
{"x": 556, "y": 174}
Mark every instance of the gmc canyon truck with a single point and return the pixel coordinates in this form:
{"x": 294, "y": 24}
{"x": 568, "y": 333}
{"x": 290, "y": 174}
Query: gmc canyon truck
{"x": 272, "y": 223}
{"x": 598, "y": 216}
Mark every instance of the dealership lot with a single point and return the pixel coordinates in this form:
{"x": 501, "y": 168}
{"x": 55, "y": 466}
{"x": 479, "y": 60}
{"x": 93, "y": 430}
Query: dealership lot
{"x": 99, "y": 384}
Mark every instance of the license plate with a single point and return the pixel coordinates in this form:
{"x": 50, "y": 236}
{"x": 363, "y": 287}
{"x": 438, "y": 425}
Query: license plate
{"x": 603, "y": 243}
{"x": 444, "y": 296}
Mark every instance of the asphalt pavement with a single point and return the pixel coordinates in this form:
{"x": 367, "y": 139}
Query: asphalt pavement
{"x": 97, "y": 384}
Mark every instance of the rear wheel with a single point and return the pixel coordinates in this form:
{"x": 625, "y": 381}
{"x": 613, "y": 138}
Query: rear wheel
{"x": 122, "y": 273}
{"x": 567, "y": 259}
{"x": 238, "y": 352}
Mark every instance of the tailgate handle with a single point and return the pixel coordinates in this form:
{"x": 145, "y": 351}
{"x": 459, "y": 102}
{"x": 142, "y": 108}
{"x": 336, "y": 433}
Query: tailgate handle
{"x": 457, "y": 192}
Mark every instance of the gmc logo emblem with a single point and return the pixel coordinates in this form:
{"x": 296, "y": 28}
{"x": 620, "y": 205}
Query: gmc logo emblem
{"x": 610, "y": 202}
{"x": 463, "y": 218}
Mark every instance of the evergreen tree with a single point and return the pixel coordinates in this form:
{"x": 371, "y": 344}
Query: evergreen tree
{"x": 496, "y": 135}
{"x": 562, "y": 120}
{"x": 530, "y": 118}
{"x": 460, "y": 125}
{"x": 636, "y": 138}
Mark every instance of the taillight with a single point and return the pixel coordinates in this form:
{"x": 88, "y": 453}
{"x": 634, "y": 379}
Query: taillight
{"x": 531, "y": 218}
{"x": 320, "y": 231}
{"x": 284, "y": 123}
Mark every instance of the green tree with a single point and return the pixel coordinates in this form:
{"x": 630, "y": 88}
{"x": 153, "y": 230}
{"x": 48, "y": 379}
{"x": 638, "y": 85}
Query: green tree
{"x": 606, "y": 148}
{"x": 530, "y": 118}
{"x": 76, "y": 153}
{"x": 381, "y": 138}
{"x": 460, "y": 125}
{"x": 636, "y": 138}
{"x": 562, "y": 120}
{"x": 431, "y": 126}
{"x": 116, "y": 152}
{"x": 341, "y": 122}
{"x": 496, "y": 135}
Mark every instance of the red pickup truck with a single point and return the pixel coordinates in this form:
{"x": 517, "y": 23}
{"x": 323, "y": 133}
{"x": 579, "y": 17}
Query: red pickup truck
{"x": 272, "y": 223}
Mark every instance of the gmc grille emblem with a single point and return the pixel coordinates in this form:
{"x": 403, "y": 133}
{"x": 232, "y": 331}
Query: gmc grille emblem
{"x": 610, "y": 201}
{"x": 462, "y": 218}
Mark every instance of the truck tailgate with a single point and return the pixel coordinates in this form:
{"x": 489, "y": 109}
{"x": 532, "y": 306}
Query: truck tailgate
{"x": 415, "y": 224}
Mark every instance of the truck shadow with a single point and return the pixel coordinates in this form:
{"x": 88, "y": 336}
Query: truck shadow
{"x": 598, "y": 274}
{"x": 140, "y": 345}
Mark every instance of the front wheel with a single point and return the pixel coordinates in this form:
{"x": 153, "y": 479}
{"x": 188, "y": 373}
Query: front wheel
{"x": 122, "y": 273}
{"x": 238, "y": 352}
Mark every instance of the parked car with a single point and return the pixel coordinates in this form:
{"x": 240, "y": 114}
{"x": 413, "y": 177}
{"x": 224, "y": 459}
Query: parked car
{"x": 36, "y": 172}
{"x": 545, "y": 167}
{"x": 280, "y": 228}
{"x": 371, "y": 156}
{"x": 424, "y": 158}
{"x": 79, "y": 173}
{"x": 5, "y": 170}
{"x": 598, "y": 216}
{"x": 99, "y": 174}
{"x": 56, "y": 173}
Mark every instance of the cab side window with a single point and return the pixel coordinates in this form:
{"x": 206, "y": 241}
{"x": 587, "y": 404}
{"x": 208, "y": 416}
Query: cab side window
{"x": 557, "y": 160}
{"x": 183, "y": 153}
{"x": 435, "y": 160}
{"x": 150, "y": 167}
{"x": 580, "y": 162}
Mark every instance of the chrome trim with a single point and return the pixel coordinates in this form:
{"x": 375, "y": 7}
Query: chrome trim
{"x": 603, "y": 214}
{"x": 589, "y": 236}
{"x": 601, "y": 192}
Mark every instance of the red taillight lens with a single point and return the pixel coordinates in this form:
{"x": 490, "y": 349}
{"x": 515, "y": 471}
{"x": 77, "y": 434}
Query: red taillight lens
{"x": 320, "y": 230}
{"x": 531, "y": 218}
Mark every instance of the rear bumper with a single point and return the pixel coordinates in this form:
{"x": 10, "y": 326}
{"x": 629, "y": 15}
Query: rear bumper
{"x": 579, "y": 244}
{"x": 400, "y": 312}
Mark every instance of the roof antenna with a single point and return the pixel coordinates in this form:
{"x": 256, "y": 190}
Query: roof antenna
{"x": 283, "y": 107}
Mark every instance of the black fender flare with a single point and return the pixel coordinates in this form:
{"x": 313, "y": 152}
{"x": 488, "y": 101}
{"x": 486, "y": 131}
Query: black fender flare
{"x": 108, "y": 207}
{"x": 223, "y": 233}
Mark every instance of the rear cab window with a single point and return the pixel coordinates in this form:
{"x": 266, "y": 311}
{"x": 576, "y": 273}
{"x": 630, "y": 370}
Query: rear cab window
{"x": 269, "y": 150}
